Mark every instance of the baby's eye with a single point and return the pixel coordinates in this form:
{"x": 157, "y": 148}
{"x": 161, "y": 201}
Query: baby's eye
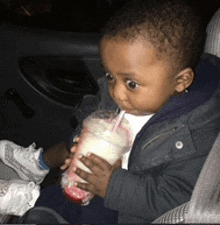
{"x": 132, "y": 84}
{"x": 109, "y": 77}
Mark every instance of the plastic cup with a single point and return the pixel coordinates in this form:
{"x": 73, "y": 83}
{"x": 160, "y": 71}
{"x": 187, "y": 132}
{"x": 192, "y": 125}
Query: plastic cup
{"x": 101, "y": 137}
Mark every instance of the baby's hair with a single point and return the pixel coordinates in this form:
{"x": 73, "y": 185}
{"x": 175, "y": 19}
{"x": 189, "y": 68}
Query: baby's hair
{"x": 173, "y": 28}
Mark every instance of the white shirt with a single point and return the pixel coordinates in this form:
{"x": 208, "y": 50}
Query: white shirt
{"x": 136, "y": 123}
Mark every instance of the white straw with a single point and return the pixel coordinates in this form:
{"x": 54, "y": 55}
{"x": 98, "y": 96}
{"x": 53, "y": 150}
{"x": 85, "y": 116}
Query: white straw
{"x": 118, "y": 121}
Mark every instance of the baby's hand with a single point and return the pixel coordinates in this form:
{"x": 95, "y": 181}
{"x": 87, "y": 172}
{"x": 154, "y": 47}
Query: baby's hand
{"x": 69, "y": 159}
{"x": 98, "y": 180}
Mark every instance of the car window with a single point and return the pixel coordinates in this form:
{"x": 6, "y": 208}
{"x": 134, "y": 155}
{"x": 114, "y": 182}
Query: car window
{"x": 76, "y": 15}
{"x": 64, "y": 15}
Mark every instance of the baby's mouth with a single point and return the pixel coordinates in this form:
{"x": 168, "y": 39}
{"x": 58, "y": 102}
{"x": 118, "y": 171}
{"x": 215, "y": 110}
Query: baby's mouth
{"x": 128, "y": 111}
{"x": 123, "y": 109}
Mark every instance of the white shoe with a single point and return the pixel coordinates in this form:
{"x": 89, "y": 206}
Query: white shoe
{"x": 25, "y": 161}
{"x": 17, "y": 196}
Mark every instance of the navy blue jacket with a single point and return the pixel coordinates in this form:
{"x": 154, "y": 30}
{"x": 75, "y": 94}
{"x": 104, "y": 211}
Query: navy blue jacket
{"x": 168, "y": 152}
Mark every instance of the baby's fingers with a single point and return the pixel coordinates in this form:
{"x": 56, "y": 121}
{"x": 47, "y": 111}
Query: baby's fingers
{"x": 73, "y": 149}
{"x": 66, "y": 165}
{"x": 74, "y": 146}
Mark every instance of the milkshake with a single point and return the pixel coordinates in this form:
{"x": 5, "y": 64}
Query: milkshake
{"x": 105, "y": 134}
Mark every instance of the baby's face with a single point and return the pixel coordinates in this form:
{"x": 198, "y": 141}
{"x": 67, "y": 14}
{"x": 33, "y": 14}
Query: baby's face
{"x": 138, "y": 81}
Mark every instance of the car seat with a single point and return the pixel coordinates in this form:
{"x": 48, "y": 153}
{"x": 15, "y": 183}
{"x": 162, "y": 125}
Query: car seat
{"x": 212, "y": 45}
{"x": 204, "y": 205}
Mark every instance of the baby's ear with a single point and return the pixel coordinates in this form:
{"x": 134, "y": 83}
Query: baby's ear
{"x": 184, "y": 79}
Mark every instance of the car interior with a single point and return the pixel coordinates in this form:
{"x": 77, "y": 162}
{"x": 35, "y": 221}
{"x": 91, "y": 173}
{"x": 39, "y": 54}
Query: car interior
{"x": 48, "y": 65}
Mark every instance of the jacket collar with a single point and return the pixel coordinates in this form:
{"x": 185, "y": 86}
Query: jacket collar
{"x": 203, "y": 88}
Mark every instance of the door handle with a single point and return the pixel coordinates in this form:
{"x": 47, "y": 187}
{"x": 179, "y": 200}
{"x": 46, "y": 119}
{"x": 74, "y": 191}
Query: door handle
{"x": 13, "y": 95}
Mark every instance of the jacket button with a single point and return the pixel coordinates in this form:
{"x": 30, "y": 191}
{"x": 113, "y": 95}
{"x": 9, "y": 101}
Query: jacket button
{"x": 179, "y": 144}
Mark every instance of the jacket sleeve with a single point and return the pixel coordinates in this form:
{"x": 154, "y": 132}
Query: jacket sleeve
{"x": 157, "y": 191}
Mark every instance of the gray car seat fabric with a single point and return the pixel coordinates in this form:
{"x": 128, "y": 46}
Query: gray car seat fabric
{"x": 174, "y": 216}
{"x": 212, "y": 45}
{"x": 204, "y": 205}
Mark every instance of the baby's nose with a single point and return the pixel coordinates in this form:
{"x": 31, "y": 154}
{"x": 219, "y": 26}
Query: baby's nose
{"x": 119, "y": 92}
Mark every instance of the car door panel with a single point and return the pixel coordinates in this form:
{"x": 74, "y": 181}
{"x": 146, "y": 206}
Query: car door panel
{"x": 46, "y": 71}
